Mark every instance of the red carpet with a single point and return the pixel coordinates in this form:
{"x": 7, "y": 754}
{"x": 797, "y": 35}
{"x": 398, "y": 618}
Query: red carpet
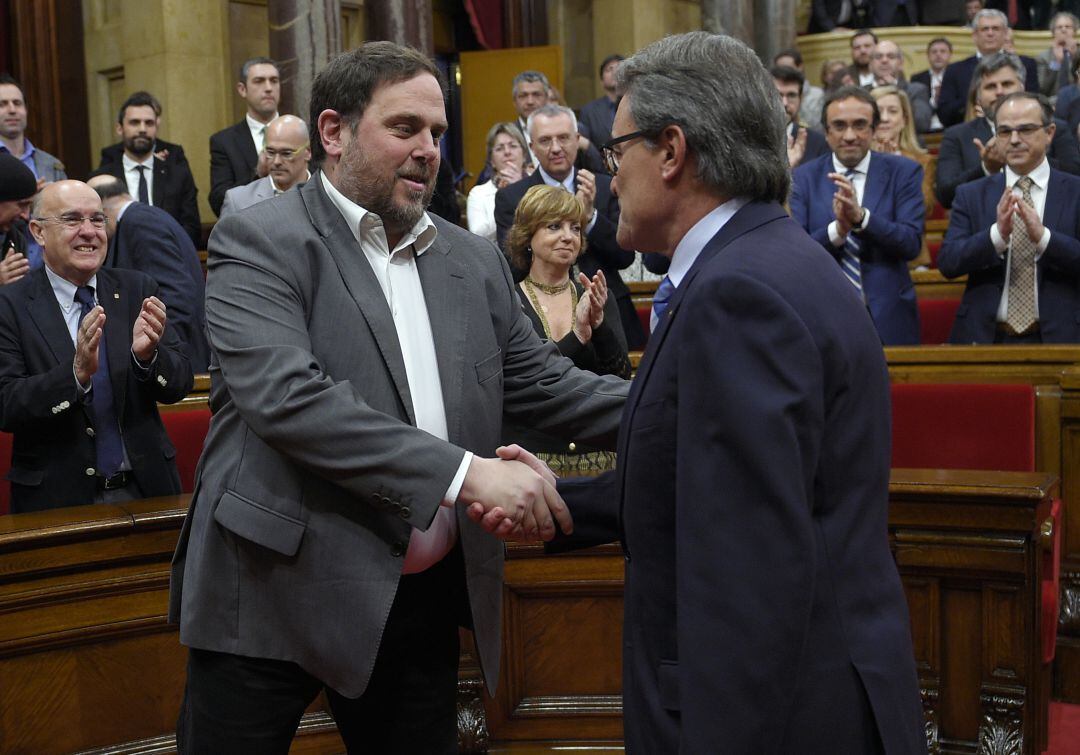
{"x": 1064, "y": 729}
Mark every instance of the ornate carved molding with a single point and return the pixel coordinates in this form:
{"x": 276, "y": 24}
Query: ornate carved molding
{"x": 1002, "y": 730}
{"x": 929, "y": 705}
{"x": 1069, "y": 613}
{"x": 471, "y": 719}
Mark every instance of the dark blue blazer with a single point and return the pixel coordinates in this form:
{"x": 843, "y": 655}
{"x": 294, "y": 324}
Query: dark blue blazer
{"x": 149, "y": 240}
{"x": 758, "y": 605}
{"x": 952, "y": 100}
{"x": 892, "y": 238}
{"x": 967, "y": 250}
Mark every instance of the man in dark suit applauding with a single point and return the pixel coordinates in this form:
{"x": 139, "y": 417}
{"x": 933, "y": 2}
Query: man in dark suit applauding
{"x": 234, "y": 151}
{"x": 552, "y": 132}
{"x": 1016, "y": 235}
{"x": 156, "y": 171}
{"x": 85, "y": 357}
{"x": 763, "y": 610}
{"x": 867, "y": 210}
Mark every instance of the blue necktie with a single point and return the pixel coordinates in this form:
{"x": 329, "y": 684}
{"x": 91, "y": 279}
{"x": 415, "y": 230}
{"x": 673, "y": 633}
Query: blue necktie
{"x": 110, "y": 446}
{"x": 849, "y": 262}
{"x": 660, "y": 301}
{"x": 144, "y": 190}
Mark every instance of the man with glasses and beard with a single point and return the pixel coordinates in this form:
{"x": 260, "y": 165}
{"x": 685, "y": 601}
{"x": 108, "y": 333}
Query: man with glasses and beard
{"x": 156, "y": 171}
{"x": 365, "y": 353}
{"x": 286, "y": 156}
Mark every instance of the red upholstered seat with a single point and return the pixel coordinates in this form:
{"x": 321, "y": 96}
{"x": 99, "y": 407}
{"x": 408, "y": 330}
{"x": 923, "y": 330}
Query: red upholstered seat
{"x": 963, "y": 426}
{"x": 187, "y": 429}
{"x": 933, "y": 246}
{"x": 936, "y": 319}
{"x": 644, "y": 313}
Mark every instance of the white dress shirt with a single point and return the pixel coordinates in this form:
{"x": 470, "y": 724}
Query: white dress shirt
{"x": 258, "y": 131}
{"x": 691, "y": 244}
{"x": 1040, "y": 177}
{"x": 131, "y": 175}
{"x": 858, "y": 181}
{"x": 400, "y": 283}
{"x": 480, "y": 210}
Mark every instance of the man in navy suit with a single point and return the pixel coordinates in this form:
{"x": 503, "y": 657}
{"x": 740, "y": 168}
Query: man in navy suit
{"x": 867, "y": 210}
{"x": 989, "y": 31}
{"x": 969, "y": 150}
{"x": 85, "y": 357}
{"x": 156, "y": 171}
{"x": 1015, "y": 235}
{"x": 763, "y": 611}
{"x": 552, "y": 132}
{"x": 147, "y": 239}
{"x": 234, "y": 151}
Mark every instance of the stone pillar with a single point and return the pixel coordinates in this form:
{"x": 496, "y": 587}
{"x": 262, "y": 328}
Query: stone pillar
{"x": 767, "y": 25}
{"x": 304, "y": 35}
{"x": 734, "y": 17}
{"x": 407, "y": 22}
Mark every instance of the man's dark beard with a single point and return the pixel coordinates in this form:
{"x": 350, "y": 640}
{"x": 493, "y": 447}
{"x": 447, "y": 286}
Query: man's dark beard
{"x": 375, "y": 194}
{"x": 131, "y": 146}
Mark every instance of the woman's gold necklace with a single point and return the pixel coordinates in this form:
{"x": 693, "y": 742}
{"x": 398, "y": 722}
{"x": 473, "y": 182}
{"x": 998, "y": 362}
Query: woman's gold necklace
{"x": 531, "y": 287}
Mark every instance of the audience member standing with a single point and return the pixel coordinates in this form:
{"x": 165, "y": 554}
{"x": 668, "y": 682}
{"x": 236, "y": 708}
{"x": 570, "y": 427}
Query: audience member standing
{"x": 1016, "y": 235}
{"x": 938, "y": 55}
{"x": 598, "y": 115}
{"x": 812, "y": 96}
{"x": 85, "y": 357}
{"x": 286, "y": 153}
{"x": 553, "y": 131}
{"x": 156, "y": 171}
{"x": 970, "y": 151}
{"x": 990, "y": 33}
{"x": 506, "y": 164}
{"x": 862, "y": 52}
{"x": 17, "y": 189}
{"x": 839, "y": 15}
{"x": 13, "y": 139}
{"x": 887, "y": 65}
{"x": 1056, "y": 69}
{"x": 148, "y": 239}
{"x": 866, "y": 209}
{"x": 803, "y": 143}
{"x": 234, "y": 151}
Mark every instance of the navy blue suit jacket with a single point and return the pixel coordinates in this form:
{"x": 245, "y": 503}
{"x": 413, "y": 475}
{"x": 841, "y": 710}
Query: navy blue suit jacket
{"x": 149, "y": 240}
{"x": 952, "y": 100}
{"x": 967, "y": 250}
{"x": 758, "y": 604}
{"x": 892, "y": 237}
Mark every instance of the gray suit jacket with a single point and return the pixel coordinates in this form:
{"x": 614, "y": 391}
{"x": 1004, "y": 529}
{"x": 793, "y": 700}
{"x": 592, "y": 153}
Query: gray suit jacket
{"x": 48, "y": 167}
{"x": 313, "y": 474}
{"x": 242, "y": 197}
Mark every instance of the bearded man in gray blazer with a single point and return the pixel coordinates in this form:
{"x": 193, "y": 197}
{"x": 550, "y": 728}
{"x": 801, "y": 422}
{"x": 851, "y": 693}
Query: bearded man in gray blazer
{"x": 363, "y": 352}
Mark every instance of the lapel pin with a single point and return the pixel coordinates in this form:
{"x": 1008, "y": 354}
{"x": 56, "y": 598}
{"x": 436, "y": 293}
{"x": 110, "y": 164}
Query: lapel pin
{"x": 116, "y": 296}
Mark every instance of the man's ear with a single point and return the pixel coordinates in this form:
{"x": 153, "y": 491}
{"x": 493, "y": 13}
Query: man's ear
{"x": 119, "y": 129}
{"x": 37, "y": 230}
{"x": 330, "y": 126}
{"x": 672, "y": 144}
{"x": 241, "y": 89}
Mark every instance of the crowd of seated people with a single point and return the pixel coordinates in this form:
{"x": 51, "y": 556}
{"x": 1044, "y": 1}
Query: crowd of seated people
{"x": 864, "y": 181}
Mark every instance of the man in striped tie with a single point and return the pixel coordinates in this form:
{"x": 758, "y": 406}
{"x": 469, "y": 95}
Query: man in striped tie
{"x": 866, "y": 208}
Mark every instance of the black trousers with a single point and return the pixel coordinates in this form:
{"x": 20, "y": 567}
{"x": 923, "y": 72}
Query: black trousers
{"x": 234, "y": 704}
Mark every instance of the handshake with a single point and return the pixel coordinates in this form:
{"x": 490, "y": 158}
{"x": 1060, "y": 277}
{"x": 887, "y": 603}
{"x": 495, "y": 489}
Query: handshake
{"x": 513, "y": 496}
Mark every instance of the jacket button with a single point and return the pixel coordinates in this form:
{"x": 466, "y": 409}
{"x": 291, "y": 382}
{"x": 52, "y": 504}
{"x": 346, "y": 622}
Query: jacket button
{"x": 65, "y": 405}
{"x": 90, "y": 431}
{"x": 90, "y": 471}
{"x": 397, "y": 550}
{"x": 405, "y": 512}
{"x": 573, "y": 447}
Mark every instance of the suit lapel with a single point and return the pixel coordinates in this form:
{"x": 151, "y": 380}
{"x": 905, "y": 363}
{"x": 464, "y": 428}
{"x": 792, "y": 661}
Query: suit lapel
{"x": 1054, "y": 206}
{"x": 47, "y": 318}
{"x": 877, "y": 176}
{"x": 443, "y": 281}
{"x": 117, "y": 335}
{"x": 361, "y": 282}
{"x": 160, "y": 174}
{"x": 246, "y": 145}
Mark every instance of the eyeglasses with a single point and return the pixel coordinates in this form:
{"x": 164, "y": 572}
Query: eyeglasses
{"x": 74, "y": 220}
{"x": 545, "y": 142}
{"x": 611, "y": 157}
{"x": 1025, "y": 130}
{"x": 285, "y": 154}
{"x": 839, "y": 127}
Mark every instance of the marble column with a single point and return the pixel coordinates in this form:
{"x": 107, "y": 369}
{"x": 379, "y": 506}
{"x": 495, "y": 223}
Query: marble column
{"x": 407, "y": 22}
{"x": 767, "y": 25}
{"x": 304, "y": 35}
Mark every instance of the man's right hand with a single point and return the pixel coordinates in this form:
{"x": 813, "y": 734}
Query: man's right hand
{"x": 12, "y": 267}
{"x": 86, "y": 345}
{"x": 1005, "y": 207}
{"x": 992, "y": 154}
{"x": 513, "y": 498}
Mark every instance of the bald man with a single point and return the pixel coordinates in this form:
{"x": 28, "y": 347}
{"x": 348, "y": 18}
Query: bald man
{"x": 286, "y": 155}
{"x": 85, "y": 356}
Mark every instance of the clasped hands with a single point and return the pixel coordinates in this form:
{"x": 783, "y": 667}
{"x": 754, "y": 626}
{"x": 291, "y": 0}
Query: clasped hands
{"x": 145, "y": 336}
{"x": 849, "y": 213}
{"x": 513, "y": 496}
{"x": 1012, "y": 206}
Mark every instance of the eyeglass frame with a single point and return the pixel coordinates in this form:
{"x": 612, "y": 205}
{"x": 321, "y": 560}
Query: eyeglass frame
{"x": 840, "y": 127}
{"x": 97, "y": 220}
{"x": 292, "y": 154}
{"x": 1024, "y": 130}
{"x": 611, "y": 160}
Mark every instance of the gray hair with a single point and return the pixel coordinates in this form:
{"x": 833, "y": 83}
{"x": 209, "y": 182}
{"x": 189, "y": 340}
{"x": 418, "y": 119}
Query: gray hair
{"x": 994, "y": 63}
{"x": 548, "y": 111}
{"x": 1072, "y": 17}
{"x": 992, "y": 12}
{"x": 718, "y": 92}
{"x": 529, "y": 77}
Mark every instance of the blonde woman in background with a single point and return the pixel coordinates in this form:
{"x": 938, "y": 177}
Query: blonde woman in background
{"x": 508, "y": 162}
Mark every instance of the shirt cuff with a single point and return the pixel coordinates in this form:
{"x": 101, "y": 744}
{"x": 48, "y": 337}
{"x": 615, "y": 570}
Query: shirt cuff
{"x": 592, "y": 222}
{"x": 865, "y": 220}
{"x": 1000, "y": 244}
{"x": 452, "y": 492}
{"x": 143, "y": 368}
{"x": 1044, "y": 241}
{"x": 83, "y": 390}
{"x": 834, "y": 235}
